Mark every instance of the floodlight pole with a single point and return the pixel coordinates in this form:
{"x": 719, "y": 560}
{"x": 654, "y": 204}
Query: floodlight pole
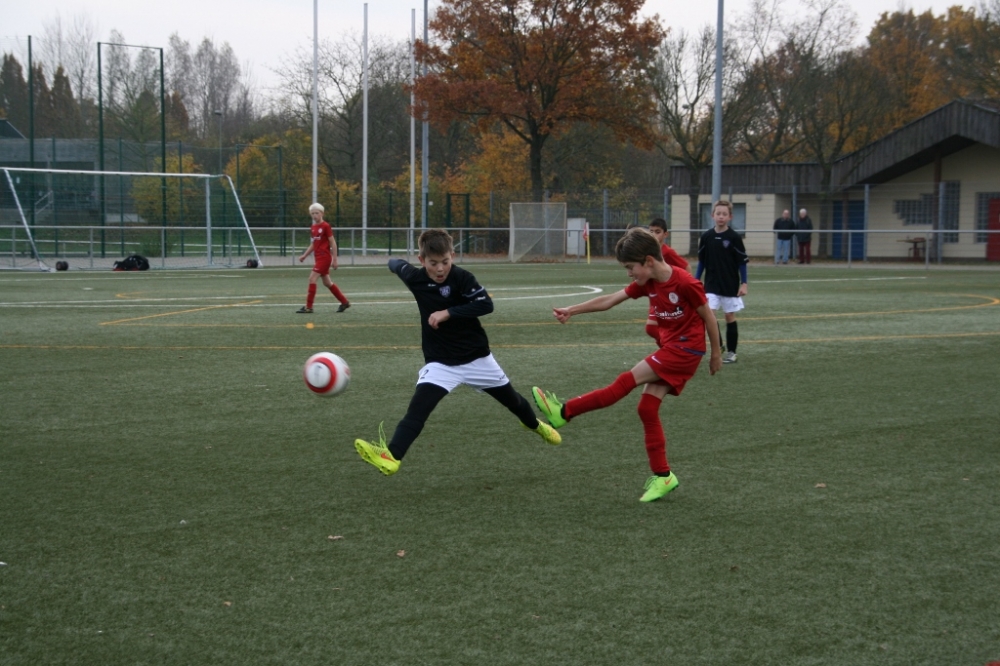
{"x": 424, "y": 146}
{"x": 413, "y": 128}
{"x": 717, "y": 133}
{"x": 315, "y": 104}
{"x": 364, "y": 142}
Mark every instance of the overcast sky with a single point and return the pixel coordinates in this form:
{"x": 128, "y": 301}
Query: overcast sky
{"x": 264, "y": 33}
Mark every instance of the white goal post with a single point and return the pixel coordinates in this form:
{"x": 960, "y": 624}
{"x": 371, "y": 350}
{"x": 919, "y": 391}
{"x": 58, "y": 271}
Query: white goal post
{"x": 90, "y": 219}
{"x": 538, "y": 231}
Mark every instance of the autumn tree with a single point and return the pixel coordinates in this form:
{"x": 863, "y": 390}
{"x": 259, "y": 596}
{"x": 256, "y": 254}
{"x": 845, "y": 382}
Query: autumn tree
{"x": 185, "y": 197}
{"x": 683, "y": 86}
{"x": 538, "y": 67}
{"x": 972, "y": 50}
{"x": 767, "y": 83}
{"x": 341, "y": 99}
{"x": 907, "y": 49}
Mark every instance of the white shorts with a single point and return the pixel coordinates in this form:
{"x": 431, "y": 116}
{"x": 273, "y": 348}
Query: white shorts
{"x": 727, "y": 303}
{"x": 483, "y": 373}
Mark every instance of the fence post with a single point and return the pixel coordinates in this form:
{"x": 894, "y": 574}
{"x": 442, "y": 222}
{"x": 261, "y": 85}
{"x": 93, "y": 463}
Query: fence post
{"x": 939, "y": 236}
{"x": 604, "y": 234}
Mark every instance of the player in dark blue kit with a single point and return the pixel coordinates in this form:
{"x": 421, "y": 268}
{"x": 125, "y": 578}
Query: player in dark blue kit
{"x": 456, "y": 349}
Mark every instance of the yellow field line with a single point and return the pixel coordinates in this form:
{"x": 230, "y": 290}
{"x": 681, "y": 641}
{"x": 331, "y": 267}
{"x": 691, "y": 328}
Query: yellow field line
{"x": 568, "y": 345}
{"x": 179, "y": 312}
{"x": 990, "y": 302}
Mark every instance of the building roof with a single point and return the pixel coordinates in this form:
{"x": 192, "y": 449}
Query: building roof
{"x": 8, "y": 131}
{"x": 946, "y": 130}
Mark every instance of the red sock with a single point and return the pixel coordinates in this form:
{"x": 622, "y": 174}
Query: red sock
{"x": 311, "y": 295}
{"x": 600, "y": 398}
{"x": 338, "y": 294}
{"x": 656, "y": 440}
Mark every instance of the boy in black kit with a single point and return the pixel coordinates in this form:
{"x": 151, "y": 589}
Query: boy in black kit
{"x": 721, "y": 253}
{"x": 456, "y": 349}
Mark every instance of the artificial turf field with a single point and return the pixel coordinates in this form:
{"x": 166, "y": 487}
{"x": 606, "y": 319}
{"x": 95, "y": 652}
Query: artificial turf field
{"x": 171, "y": 493}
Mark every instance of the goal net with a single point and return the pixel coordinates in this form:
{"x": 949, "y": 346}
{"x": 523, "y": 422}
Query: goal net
{"x": 537, "y": 231}
{"x": 90, "y": 219}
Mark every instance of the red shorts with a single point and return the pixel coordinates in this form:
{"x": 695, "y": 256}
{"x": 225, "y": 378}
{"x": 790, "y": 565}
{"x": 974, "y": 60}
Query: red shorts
{"x": 322, "y": 266}
{"x": 675, "y": 366}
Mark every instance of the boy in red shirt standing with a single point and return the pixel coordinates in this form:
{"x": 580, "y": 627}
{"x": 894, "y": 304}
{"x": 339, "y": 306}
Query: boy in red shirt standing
{"x": 323, "y": 247}
{"x": 684, "y": 316}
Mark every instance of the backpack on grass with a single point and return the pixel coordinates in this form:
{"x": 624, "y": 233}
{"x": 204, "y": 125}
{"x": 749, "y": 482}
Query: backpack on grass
{"x": 133, "y": 262}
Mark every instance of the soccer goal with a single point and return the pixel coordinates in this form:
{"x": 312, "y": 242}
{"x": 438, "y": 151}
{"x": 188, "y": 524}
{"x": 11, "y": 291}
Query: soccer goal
{"x": 537, "y": 231}
{"x": 90, "y": 219}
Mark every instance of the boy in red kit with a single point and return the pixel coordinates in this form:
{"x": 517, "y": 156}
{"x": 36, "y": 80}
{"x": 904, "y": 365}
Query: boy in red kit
{"x": 684, "y": 316}
{"x": 658, "y": 228}
{"x": 323, "y": 247}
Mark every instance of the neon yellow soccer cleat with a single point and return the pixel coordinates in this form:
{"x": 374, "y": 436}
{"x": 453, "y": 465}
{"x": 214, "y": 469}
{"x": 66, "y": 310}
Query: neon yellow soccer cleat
{"x": 377, "y": 454}
{"x": 548, "y": 433}
{"x": 658, "y": 486}
{"x": 549, "y": 405}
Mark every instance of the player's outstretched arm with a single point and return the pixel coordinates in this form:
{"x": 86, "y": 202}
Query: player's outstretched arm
{"x": 598, "y": 304}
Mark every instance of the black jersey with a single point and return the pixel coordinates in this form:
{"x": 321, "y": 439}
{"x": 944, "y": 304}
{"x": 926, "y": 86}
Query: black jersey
{"x": 461, "y": 339}
{"x": 721, "y": 254}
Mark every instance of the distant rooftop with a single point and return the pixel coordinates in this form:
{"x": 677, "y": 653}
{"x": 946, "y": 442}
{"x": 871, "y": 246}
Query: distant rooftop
{"x": 8, "y": 131}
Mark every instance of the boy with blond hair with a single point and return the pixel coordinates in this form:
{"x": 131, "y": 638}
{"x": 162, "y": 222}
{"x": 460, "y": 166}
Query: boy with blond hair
{"x": 323, "y": 247}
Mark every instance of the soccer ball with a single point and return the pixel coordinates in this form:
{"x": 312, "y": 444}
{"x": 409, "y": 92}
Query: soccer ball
{"x": 326, "y": 374}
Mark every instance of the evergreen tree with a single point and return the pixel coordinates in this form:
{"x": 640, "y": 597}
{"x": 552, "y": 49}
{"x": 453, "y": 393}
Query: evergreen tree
{"x": 14, "y": 93}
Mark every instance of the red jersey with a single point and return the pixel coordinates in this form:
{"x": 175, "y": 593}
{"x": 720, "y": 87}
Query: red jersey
{"x": 674, "y": 305}
{"x": 321, "y": 234}
{"x": 671, "y": 256}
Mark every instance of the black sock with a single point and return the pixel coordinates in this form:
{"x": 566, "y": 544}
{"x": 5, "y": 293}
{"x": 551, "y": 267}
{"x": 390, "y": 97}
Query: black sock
{"x": 732, "y": 336}
{"x": 425, "y": 399}
{"x": 515, "y": 402}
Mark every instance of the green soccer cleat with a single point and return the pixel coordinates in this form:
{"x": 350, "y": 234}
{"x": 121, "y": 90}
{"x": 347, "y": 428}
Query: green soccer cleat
{"x": 549, "y": 405}
{"x": 377, "y": 454}
{"x": 658, "y": 486}
{"x": 548, "y": 433}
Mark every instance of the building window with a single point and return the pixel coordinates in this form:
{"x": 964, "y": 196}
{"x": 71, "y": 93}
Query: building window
{"x": 983, "y": 213}
{"x": 923, "y": 211}
{"x": 738, "y": 223}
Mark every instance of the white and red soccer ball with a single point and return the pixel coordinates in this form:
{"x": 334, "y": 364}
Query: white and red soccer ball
{"x": 326, "y": 374}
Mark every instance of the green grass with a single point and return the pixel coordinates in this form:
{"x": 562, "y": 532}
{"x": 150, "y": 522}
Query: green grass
{"x": 169, "y": 488}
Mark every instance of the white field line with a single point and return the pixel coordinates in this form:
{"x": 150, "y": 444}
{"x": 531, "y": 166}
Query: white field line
{"x": 164, "y": 302}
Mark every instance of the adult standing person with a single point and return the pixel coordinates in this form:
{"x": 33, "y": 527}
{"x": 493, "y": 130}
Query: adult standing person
{"x": 784, "y": 225}
{"x": 805, "y": 237}
{"x": 723, "y": 259}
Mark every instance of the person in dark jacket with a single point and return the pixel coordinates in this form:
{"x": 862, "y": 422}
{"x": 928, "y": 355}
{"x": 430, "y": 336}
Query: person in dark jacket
{"x": 784, "y": 226}
{"x": 805, "y": 237}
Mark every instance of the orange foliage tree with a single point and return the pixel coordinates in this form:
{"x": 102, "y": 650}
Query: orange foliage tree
{"x": 539, "y": 67}
{"x": 907, "y": 49}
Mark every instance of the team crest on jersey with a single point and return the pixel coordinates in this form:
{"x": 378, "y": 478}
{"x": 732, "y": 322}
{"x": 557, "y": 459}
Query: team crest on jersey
{"x": 445, "y": 291}
{"x": 674, "y": 298}
{"x": 725, "y": 243}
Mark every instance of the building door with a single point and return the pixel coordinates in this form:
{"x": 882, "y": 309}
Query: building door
{"x": 855, "y": 222}
{"x": 993, "y": 239}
